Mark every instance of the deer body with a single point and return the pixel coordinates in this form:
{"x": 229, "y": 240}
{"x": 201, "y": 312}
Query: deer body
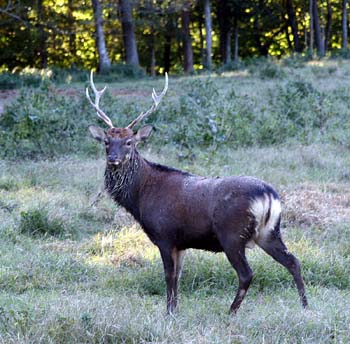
{"x": 190, "y": 211}
{"x": 178, "y": 210}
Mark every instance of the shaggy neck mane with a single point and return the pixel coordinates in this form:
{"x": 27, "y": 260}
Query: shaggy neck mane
{"x": 119, "y": 182}
{"x": 124, "y": 184}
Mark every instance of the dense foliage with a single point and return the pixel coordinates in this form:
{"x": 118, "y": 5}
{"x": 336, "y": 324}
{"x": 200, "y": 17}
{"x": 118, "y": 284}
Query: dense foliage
{"x": 49, "y": 121}
{"x": 61, "y": 33}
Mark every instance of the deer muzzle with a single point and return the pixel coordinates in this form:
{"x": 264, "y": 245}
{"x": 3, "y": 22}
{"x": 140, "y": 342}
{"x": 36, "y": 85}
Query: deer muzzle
{"x": 112, "y": 160}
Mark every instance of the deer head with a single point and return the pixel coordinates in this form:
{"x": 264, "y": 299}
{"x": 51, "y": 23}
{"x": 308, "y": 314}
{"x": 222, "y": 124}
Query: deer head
{"x": 121, "y": 143}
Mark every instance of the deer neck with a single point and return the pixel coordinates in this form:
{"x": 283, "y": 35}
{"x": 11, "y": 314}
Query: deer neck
{"x": 123, "y": 184}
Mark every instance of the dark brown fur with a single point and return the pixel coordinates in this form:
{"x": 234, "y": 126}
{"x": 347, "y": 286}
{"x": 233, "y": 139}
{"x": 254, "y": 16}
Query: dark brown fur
{"x": 178, "y": 210}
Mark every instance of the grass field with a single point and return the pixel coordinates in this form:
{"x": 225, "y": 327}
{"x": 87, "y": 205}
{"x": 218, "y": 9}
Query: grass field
{"x": 72, "y": 273}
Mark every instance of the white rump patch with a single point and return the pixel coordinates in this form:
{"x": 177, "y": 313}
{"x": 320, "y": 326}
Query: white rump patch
{"x": 265, "y": 208}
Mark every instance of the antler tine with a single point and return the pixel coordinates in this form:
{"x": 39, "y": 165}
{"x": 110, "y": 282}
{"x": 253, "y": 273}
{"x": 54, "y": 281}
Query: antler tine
{"x": 96, "y": 105}
{"x": 156, "y": 100}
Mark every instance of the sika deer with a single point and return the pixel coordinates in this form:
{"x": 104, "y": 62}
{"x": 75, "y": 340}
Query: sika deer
{"x": 179, "y": 210}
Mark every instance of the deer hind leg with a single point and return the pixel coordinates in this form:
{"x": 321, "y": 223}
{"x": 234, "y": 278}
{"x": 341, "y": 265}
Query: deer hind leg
{"x": 273, "y": 245}
{"x": 235, "y": 253}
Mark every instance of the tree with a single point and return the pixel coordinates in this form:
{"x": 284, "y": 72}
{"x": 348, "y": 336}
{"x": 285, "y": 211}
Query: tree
{"x": 224, "y": 15}
{"x": 319, "y": 32}
{"x": 167, "y": 45}
{"x": 344, "y": 24}
{"x": 235, "y": 38}
{"x": 131, "y": 54}
{"x": 186, "y": 38}
{"x": 71, "y": 25}
{"x": 104, "y": 63}
{"x": 328, "y": 30}
{"x": 293, "y": 24}
{"x": 239, "y": 15}
{"x": 42, "y": 52}
{"x": 9, "y": 10}
{"x": 311, "y": 13}
{"x": 208, "y": 38}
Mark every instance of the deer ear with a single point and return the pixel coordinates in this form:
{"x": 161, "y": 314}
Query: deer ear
{"x": 143, "y": 133}
{"x": 97, "y": 133}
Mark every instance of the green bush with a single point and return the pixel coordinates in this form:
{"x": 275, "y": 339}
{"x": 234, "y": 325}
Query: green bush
{"x": 9, "y": 81}
{"x": 231, "y": 66}
{"x": 265, "y": 69}
{"x": 68, "y": 75}
{"x": 294, "y": 61}
{"x": 35, "y": 77}
{"x": 296, "y": 110}
{"x": 37, "y": 223}
{"x": 44, "y": 122}
{"x": 47, "y": 122}
{"x": 123, "y": 70}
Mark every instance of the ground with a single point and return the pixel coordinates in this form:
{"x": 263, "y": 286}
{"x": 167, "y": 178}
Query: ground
{"x": 101, "y": 280}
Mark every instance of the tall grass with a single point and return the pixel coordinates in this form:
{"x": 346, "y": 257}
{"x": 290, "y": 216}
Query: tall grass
{"x": 72, "y": 273}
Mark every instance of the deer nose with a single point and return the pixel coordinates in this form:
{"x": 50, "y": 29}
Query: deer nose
{"x": 112, "y": 159}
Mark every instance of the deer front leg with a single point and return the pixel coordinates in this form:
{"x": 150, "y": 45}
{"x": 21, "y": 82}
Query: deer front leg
{"x": 170, "y": 259}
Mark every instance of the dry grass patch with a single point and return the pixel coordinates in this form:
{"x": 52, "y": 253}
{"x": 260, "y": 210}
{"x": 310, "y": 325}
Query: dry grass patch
{"x": 316, "y": 205}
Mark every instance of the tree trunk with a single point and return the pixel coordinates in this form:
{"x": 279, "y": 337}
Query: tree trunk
{"x": 319, "y": 32}
{"x": 328, "y": 31}
{"x": 208, "y": 38}
{"x": 224, "y": 16}
{"x": 186, "y": 39}
{"x": 294, "y": 25}
{"x": 236, "y": 46}
{"x": 42, "y": 35}
{"x": 153, "y": 55}
{"x": 72, "y": 35}
{"x": 201, "y": 38}
{"x": 311, "y": 13}
{"x": 228, "y": 47}
{"x": 104, "y": 63}
{"x": 131, "y": 53}
{"x": 167, "y": 51}
{"x": 290, "y": 45}
{"x": 344, "y": 22}
{"x": 261, "y": 44}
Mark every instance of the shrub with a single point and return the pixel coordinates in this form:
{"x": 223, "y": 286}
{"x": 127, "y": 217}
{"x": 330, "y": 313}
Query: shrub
{"x": 294, "y": 61}
{"x": 47, "y": 122}
{"x": 120, "y": 71}
{"x": 44, "y": 122}
{"x": 68, "y": 75}
{"x": 32, "y": 77}
{"x": 296, "y": 110}
{"x": 127, "y": 70}
{"x": 231, "y": 66}
{"x": 9, "y": 81}
{"x": 37, "y": 223}
{"x": 270, "y": 71}
{"x": 265, "y": 69}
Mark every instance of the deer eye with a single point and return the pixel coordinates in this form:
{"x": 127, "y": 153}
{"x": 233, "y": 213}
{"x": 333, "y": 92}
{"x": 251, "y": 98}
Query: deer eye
{"x": 128, "y": 143}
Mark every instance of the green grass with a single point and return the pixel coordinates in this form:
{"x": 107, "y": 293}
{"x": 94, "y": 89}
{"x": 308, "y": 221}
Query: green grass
{"x": 98, "y": 279}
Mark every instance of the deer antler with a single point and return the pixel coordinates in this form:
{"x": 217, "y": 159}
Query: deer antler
{"x": 95, "y": 105}
{"x": 156, "y": 100}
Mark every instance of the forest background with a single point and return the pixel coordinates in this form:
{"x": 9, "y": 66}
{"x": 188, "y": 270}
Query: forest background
{"x": 176, "y": 36}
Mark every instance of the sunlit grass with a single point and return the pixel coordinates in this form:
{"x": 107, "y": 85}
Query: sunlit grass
{"x": 110, "y": 282}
